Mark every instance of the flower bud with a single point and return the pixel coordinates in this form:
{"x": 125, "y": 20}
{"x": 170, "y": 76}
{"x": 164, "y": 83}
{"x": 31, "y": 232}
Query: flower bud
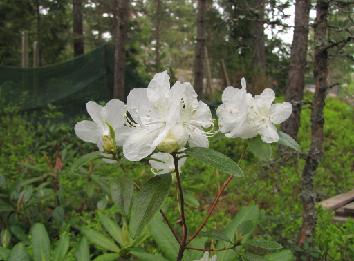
{"x": 109, "y": 145}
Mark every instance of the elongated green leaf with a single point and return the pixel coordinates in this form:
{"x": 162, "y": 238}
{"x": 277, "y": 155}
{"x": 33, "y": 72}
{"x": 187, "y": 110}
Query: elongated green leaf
{"x": 40, "y": 243}
{"x": 147, "y": 202}
{"x": 85, "y": 159}
{"x": 253, "y": 257}
{"x": 262, "y": 245}
{"x": 4, "y": 253}
{"x": 284, "y": 255}
{"x": 216, "y": 160}
{"x": 246, "y": 227}
{"x": 19, "y": 233}
{"x": 261, "y": 150}
{"x": 286, "y": 140}
{"x": 245, "y": 213}
{"x": 62, "y": 248}
{"x": 107, "y": 257}
{"x": 19, "y": 253}
{"x": 122, "y": 194}
{"x": 141, "y": 255}
{"x": 163, "y": 237}
{"x": 100, "y": 240}
{"x": 83, "y": 252}
{"x": 112, "y": 228}
{"x": 5, "y": 207}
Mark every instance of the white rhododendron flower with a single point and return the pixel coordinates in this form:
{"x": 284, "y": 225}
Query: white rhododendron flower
{"x": 207, "y": 258}
{"x": 165, "y": 118}
{"x": 107, "y": 126}
{"x": 244, "y": 116}
{"x": 163, "y": 163}
{"x": 263, "y": 115}
{"x": 233, "y": 112}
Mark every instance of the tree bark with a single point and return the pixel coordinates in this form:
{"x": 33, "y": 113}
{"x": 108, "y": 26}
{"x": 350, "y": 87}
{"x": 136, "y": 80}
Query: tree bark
{"x": 317, "y": 123}
{"x": 296, "y": 74}
{"x": 157, "y": 35}
{"x": 258, "y": 49}
{"x": 199, "y": 48}
{"x": 78, "y": 28}
{"x": 122, "y": 18}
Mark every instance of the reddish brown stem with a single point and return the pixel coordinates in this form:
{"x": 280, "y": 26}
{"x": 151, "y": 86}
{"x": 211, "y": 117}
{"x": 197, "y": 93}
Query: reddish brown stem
{"x": 183, "y": 242}
{"x": 211, "y": 249}
{"x": 211, "y": 209}
{"x": 170, "y": 226}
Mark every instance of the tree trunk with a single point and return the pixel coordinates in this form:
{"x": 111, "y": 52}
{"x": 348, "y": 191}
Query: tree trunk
{"x": 122, "y": 17}
{"x": 200, "y": 47}
{"x": 157, "y": 35}
{"x": 296, "y": 74}
{"x": 258, "y": 49}
{"x": 317, "y": 123}
{"x": 78, "y": 28}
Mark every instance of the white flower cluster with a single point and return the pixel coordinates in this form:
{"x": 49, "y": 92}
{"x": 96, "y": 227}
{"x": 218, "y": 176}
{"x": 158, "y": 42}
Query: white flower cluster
{"x": 166, "y": 119}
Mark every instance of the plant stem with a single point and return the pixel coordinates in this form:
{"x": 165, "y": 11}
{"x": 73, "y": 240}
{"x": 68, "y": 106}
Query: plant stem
{"x": 211, "y": 209}
{"x": 183, "y": 242}
{"x": 212, "y": 249}
{"x": 169, "y": 226}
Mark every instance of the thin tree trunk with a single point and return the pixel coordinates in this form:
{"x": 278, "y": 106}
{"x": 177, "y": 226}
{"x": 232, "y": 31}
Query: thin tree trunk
{"x": 78, "y": 28}
{"x": 122, "y": 16}
{"x": 258, "y": 49}
{"x": 317, "y": 123}
{"x": 157, "y": 35}
{"x": 200, "y": 47}
{"x": 296, "y": 74}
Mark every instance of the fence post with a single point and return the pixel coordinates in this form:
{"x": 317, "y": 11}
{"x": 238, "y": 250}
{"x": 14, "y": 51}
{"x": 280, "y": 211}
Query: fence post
{"x": 24, "y": 49}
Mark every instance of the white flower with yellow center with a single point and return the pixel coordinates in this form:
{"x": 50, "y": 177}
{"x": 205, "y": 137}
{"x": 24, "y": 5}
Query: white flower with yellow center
{"x": 106, "y": 129}
{"x": 165, "y": 118}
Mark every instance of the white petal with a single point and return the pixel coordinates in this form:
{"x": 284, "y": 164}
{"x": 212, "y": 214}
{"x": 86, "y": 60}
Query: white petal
{"x": 122, "y": 134}
{"x": 94, "y": 110}
{"x": 280, "y": 112}
{"x": 197, "y": 138}
{"x": 138, "y": 104}
{"x": 114, "y": 112}
{"x": 87, "y": 131}
{"x": 229, "y": 94}
{"x": 265, "y": 99}
{"x": 159, "y": 87}
{"x": 140, "y": 143}
{"x": 162, "y": 163}
{"x": 202, "y": 117}
{"x": 269, "y": 133}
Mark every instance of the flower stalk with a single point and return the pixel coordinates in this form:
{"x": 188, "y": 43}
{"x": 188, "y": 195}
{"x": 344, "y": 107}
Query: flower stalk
{"x": 184, "y": 238}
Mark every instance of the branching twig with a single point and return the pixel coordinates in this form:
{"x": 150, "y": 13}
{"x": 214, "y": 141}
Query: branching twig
{"x": 170, "y": 226}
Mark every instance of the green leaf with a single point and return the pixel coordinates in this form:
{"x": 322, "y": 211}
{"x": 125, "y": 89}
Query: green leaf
{"x": 122, "y": 193}
{"x": 19, "y": 253}
{"x": 253, "y": 257}
{"x": 216, "y": 160}
{"x": 40, "y": 243}
{"x": 261, "y": 150}
{"x": 263, "y": 245}
{"x": 4, "y": 253}
{"x": 5, "y": 237}
{"x": 286, "y": 140}
{"x": 83, "y": 252}
{"x": 141, "y": 255}
{"x": 245, "y": 213}
{"x": 112, "y": 228}
{"x": 62, "y": 248}
{"x": 284, "y": 255}
{"x": 100, "y": 240}
{"x": 5, "y": 207}
{"x": 85, "y": 159}
{"x": 147, "y": 202}
{"x": 163, "y": 237}
{"x": 246, "y": 227}
{"x": 19, "y": 233}
{"x": 107, "y": 257}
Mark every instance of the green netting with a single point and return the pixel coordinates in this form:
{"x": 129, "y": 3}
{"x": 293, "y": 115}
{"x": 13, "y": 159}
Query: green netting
{"x": 68, "y": 85}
